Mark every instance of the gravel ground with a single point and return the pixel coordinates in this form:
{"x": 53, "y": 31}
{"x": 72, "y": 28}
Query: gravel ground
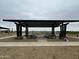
{"x": 39, "y": 52}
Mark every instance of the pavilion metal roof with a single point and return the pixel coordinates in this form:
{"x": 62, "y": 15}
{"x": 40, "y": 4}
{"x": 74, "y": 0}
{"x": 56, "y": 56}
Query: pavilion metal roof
{"x": 40, "y": 23}
{"x": 3, "y": 28}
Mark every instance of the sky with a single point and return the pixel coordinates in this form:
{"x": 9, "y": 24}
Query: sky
{"x": 40, "y": 10}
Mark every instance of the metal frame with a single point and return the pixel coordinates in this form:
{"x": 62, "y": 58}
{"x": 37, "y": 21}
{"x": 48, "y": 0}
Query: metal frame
{"x": 41, "y": 23}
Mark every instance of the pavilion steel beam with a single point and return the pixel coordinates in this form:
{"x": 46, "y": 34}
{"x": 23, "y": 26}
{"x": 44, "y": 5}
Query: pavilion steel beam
{"x": 20, "y": 20}
{"x": 3, "y": 28}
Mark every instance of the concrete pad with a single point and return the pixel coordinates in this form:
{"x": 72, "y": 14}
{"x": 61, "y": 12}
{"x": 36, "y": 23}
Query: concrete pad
{"x": 39, "y": 44}
{"x": 7, "y": 37}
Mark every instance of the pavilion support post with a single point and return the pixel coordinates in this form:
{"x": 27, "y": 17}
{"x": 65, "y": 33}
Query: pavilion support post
{"x": 26, "y": 31}
{"x": 62, "y": 31}
{"x": 53, "y": 32}
{"x": 19, "y": 31}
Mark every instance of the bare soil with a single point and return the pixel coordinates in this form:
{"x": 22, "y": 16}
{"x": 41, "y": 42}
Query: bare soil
{"x": 3, "y": 34}
{"x": 70, "y": 37}
{"x": 14, "y": 39}
{"x": 40, "y": 52}
{"x": 73, "y": 37}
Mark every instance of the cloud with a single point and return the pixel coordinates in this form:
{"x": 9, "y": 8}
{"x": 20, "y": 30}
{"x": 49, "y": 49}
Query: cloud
{"x": 39, "y": 9}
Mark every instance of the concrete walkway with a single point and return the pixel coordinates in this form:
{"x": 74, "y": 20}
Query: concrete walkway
{"x": 4, "y": 44}
{"x": 8, "y": 37}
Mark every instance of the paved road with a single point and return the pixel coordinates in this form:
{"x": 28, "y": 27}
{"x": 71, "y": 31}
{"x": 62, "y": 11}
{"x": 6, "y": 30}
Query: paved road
{"x": 39, "y": 44}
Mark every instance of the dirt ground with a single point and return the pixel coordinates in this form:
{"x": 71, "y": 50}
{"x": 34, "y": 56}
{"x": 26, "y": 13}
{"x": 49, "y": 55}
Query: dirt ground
{"x": 14, "y": 39}
{"x": 40, "y": 52}
{"x": 71, "y": 37}
{"x": 3, "y": 34}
